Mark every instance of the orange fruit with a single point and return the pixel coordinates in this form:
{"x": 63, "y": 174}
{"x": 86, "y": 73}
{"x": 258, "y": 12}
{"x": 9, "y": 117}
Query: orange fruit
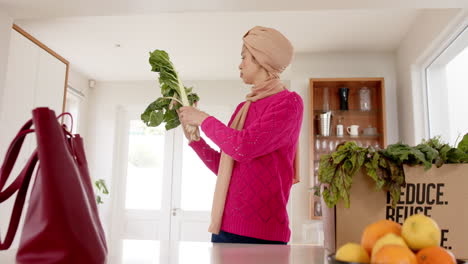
{"x": 394, "y": 254}
{"x": 435, "y": 255}
{"x": 375, "y": 231}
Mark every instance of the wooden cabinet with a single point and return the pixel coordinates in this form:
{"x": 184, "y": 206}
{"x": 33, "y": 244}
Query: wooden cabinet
{"x": 370, "y": 118}
{"x": 36, "y": 76}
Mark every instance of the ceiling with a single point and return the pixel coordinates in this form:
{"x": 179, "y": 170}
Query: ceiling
{"x": 204, "y": 37}
{"x": 207, "y": 45}
{"x": 66, "y": 8}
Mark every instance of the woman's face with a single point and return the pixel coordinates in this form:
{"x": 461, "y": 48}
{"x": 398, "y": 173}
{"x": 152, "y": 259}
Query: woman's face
{"x": 250, "y": 70}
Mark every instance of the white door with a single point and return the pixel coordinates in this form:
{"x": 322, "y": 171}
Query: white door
{"x": 192, "y": 192}
{"x": 164, "y": 191}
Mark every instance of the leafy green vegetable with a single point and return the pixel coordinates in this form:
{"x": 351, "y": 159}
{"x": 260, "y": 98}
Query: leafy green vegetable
{"x": 463, "y": 145}
{"x": 174, "y": 96}
{"x": 383, "y": 166}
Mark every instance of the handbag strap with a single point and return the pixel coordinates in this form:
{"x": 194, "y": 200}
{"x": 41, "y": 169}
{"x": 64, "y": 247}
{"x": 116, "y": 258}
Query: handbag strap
{"x": 26, "y": 175}
{"x": 12, "y": 153}
{"x": 21, "y": 182}
{"x": 65, "y": 128}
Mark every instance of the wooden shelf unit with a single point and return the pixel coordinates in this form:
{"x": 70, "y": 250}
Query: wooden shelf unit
{"x": 320, "y": 145}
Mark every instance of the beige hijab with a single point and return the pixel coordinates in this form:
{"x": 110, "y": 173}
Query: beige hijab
{"x": 273, "y": 52}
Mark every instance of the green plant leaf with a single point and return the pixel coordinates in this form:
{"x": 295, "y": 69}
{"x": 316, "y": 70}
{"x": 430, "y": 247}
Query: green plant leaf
{"x": 172, "y": 119}
{"x": 101, "y": 189}
{"x": 463, "y": 145}
{"x": 456, "y": 155}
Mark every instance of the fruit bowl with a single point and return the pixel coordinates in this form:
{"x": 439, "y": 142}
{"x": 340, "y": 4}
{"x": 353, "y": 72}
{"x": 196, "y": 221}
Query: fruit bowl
{"x": 332, "y": 260}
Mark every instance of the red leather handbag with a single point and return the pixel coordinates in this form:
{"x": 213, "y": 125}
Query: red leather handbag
{"x": 62, "y": 222}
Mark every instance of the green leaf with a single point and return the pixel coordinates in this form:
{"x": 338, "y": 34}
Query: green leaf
{"x": 172, "y": 119}
{"x": 101, "y": 186}
{"x": 316, "y": 191}
{"x": 338, "y": 156}
{"x": 395, "y": 193}
{"x": 99, "y": 200}
{"x": 443, "y": 151}
{"x": 102, "y": 189}
{"x": 463, "y": 145}
{"x": 456, "y": 155}
{"x": 430, "y": 154}
{"x": 193, "y": 98}
{"x": 155, "y": 118}
{"x": 165, "y": 89}
{"x": 419, "y": 158}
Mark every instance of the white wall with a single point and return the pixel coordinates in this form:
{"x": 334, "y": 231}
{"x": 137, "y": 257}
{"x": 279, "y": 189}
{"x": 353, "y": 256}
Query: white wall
{"x": 328, "y": 65}
{"x": 428, "y": 35}
{"x": 6, "y": 23}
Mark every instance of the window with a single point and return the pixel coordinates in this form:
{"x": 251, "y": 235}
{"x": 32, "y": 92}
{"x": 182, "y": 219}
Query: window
{"x": 447, "y": 91}
{"x": 72, "y": 105}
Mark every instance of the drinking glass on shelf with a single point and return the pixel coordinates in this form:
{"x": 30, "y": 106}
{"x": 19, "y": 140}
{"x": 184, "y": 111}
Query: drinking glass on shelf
{"x": 376, "y": 145}
{"x": 324, "y": 145}
{"x": 337, "y": 142}
{"x": 368, "y": 143}
{"x": 317, "y": 148}
{"x": 331, "y": 145}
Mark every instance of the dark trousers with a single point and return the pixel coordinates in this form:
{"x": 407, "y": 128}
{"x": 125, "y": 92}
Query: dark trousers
{"x": 225, "y": 237}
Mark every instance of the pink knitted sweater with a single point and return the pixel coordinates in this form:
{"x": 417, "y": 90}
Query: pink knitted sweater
{"x": 263, "y": 169}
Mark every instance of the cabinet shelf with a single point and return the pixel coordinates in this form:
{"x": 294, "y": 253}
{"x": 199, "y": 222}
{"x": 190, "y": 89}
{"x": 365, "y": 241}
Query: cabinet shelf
{"x": 348, "y": 112}
{"x": 349, "y": 137}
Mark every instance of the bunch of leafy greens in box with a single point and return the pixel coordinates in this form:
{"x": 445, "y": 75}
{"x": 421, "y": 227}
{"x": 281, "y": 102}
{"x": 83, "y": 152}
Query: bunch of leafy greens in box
{"x": 384, "y": 166}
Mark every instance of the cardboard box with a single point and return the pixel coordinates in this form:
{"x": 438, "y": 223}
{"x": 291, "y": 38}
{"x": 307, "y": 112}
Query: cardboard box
{"x": 441, "y": 193}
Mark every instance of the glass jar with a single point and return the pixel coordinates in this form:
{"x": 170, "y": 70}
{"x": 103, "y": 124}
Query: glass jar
{"x": 365, "y": 98}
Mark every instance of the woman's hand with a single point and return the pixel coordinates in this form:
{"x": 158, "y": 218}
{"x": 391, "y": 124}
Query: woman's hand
{"x": 191, "y": 116}
{"x": 186, "y": 133}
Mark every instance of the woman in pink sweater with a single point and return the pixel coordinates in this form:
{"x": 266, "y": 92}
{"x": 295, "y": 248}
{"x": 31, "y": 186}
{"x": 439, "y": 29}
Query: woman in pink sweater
{"x": 256, "y": 165}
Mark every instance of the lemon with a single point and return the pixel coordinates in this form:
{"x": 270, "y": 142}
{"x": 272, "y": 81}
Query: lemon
{"x": 352, "y": 252}
{"x": 388, "y": 239}
{"x": 420, "y": 231}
